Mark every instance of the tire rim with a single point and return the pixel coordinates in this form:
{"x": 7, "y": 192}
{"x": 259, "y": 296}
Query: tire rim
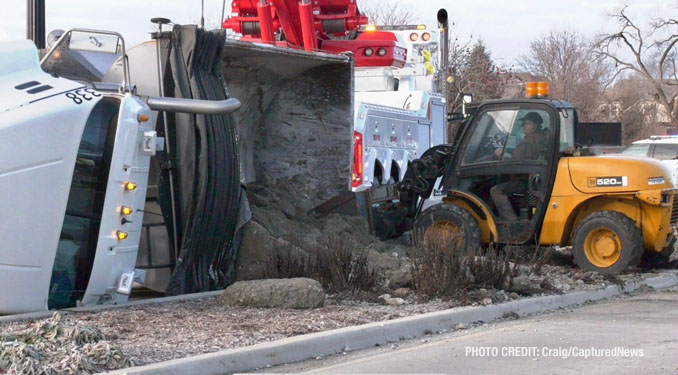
{"x": 602, "y": 247}
{"x": 442, "y": 232}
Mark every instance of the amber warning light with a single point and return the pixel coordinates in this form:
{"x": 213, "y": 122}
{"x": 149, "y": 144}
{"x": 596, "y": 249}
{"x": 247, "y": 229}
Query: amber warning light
{"x": 537, "y": 89}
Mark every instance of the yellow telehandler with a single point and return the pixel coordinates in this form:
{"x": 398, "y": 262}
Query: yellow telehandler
{"x": 514, "y": 175}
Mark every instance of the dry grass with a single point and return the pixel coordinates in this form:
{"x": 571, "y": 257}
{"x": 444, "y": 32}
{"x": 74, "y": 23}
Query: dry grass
{"x": 334, "y": 263}
{"x": 441, "y": 269}
{"x": 56, "y": 346}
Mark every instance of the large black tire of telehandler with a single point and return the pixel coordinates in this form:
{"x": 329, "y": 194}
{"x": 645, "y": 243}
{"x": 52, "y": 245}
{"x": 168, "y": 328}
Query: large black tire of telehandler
{"x": 447, "y": 222}
{"x": 607, "y": 242}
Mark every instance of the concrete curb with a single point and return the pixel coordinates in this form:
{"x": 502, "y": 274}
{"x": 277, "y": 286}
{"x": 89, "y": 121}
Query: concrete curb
{"x": 309, "y": 346}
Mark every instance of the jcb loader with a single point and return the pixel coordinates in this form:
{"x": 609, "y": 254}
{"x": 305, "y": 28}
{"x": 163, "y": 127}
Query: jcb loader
{"x": 609, "y": 208}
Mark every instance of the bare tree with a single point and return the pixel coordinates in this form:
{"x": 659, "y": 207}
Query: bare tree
{"x": 565, "y": 60}
{"x": 627, "y": 102}
{"x": 653, "y": 56}
{"x": 472, "y": 71}
{"x": 387, "y": 12}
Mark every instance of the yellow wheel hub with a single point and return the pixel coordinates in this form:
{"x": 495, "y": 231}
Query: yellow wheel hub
{"x": 602, "y": 247}
{"x": 442, "y": 232}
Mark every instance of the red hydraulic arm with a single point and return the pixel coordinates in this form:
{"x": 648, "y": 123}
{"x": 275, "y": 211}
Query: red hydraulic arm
{"x": 307, "y": 25}
{"x": 265, "y": 22}
{"x": 314, "y": 25}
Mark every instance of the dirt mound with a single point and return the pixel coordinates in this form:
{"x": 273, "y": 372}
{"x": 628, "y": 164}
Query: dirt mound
{"x": 281, "y": 223}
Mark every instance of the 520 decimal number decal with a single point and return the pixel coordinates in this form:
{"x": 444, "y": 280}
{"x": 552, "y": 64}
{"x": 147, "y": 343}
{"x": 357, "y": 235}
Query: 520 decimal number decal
{"x": 79, "y": 96}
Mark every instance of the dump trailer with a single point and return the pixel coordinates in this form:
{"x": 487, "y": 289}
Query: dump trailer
{"x": 74, "y": 171}
{"x": 514, "y": 175}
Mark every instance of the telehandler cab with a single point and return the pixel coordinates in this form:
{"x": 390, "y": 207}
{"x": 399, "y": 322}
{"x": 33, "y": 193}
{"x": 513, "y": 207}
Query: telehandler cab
{"x": 610, "y": 208}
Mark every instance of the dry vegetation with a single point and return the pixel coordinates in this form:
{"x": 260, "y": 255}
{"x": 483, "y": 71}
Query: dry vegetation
{"x": 334, "y": 263}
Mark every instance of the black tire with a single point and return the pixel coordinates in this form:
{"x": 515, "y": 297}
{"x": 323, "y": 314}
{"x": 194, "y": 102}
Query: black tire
{"x": 452, "y": 214}
{"x": 662, "y": 259}
{"x": 625, "y": 235}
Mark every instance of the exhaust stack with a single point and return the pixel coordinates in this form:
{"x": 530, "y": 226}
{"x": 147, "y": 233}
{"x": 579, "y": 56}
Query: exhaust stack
{"x": 35, "y": 22}
{"x": 444, "y": 51}
{"x": 207, "y": 107}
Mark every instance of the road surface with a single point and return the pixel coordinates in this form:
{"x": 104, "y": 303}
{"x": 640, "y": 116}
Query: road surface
{"x": 633, "y": 335}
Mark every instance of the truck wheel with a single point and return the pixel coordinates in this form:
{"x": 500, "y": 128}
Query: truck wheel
{"x": 447, "y": 222}
{"x": 607, "y": 242}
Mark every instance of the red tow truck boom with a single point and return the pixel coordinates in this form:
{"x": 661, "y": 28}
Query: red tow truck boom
{"x": 320, "y": 25}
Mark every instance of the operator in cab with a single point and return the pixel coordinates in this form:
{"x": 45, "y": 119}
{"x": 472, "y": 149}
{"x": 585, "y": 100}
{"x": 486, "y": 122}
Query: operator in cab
{"x": 528, "y": 149}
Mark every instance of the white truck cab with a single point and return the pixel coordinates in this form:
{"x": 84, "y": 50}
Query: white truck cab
{"x": 74, "y": 167}
{"x": 73, "y": 175}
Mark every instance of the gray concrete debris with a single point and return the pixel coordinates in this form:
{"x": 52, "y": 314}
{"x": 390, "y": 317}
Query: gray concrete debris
{"x": 525, "y": 286}
{"x": 297, "y": 293}
{"x": 392, "y": 301}
{"x": 402, "y": 292}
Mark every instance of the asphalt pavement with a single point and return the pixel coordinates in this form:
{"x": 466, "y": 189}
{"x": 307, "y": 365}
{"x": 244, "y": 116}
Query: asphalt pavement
{"x": 632, "y": 335}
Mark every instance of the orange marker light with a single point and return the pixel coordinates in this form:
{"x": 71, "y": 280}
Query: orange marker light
{"x": 57, "y": 55}
{"x": 531, "y": 89}
{"x": 130, "y": 186}
{"x": 542, "y": 89}
{"x": 142, "y": 118}
{"x": 125, "y": 210}
{"x": 121, "y": 235}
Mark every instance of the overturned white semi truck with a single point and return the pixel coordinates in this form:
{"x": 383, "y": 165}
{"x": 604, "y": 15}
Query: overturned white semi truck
{"x": 73, "y": 174}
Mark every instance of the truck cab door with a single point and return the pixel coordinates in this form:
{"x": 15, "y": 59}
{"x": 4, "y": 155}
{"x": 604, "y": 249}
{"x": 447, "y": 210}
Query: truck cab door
{"x": 495, "y": 151}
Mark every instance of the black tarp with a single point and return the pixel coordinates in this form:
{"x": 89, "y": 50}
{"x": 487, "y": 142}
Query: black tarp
{"x": 203, "y": 162}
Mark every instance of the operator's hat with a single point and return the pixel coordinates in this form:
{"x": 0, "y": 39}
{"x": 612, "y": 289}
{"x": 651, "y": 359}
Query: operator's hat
{"x": 532, "y": 116}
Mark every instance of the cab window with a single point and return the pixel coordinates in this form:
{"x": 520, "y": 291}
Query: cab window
{"x": 509, "y": 134}
{"x": 80, "y": 230}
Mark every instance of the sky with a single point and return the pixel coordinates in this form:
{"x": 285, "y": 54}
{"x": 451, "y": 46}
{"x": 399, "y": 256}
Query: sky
{"x": 506, "y": 27}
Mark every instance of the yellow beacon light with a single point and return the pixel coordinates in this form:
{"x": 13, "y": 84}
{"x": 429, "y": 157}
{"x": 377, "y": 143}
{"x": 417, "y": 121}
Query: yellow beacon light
{"x": 542, "y": 89}
{"x": 130, "y": 186}
{"x": 421, "y": 27}
{"x": 370, "y": 28}
{"x": 126, "y": 210}
{"x": 531, "y": 89}
{"x": 121, "y": 235}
